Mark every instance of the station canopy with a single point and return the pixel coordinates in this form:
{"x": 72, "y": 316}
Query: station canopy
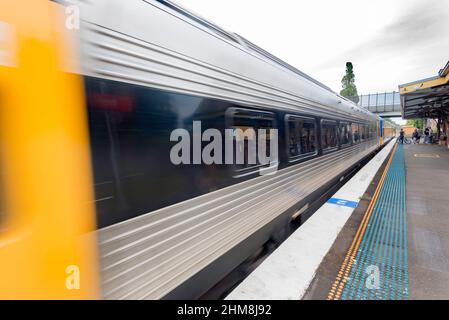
{"x": 427, "y": 98}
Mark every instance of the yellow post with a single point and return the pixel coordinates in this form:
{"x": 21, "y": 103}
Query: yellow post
{"x": 46, "y": 247}
{"x": 380, "y": 133}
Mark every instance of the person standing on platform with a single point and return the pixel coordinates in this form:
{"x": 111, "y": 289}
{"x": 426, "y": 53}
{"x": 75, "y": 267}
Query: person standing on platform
{"x": 416, "y": 136}
{"x": 427, "y": 135}
{"x": 401, "y": 136}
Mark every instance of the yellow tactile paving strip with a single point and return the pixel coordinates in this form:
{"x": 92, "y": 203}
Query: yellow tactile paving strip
{"x": 342, "y": 276}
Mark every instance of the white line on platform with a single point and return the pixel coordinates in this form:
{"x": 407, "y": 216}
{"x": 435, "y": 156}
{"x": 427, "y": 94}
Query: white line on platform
{"x": 288, "y": 271}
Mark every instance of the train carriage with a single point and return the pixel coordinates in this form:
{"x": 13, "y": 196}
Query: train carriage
{"x": 166, "y": 230}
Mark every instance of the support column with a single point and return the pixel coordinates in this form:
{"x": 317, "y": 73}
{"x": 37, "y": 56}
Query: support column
{"x": 446, "y": 128}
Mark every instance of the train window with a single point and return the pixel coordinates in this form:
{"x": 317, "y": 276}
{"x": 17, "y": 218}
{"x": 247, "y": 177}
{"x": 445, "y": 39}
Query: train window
{"x": 301, "y": 136}
{"x": 362, "y": 132}
{"x": 355, "y": 132}
{"x": 345, "y": 133}
{"x": 245, "y": 124}
{"x": 373, "y": 130}
{"x": 329, "y": 135}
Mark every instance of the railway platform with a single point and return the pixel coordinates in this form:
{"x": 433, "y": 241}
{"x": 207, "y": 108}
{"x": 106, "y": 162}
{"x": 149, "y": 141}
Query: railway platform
{"x": 383, "y": 236}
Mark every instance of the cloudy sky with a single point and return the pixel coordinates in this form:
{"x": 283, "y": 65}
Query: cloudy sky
{"x": 390, "y": 42}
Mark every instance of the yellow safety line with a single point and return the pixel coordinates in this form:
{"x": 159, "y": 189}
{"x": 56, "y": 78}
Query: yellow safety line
{"x": 342, "y": 276}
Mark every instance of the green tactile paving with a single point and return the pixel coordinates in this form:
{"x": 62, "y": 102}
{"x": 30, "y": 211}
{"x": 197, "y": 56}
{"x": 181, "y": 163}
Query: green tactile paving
{"x": 380, "y": 269}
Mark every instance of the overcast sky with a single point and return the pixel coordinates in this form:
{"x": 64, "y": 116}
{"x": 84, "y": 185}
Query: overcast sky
{"x": 390, "y": 42}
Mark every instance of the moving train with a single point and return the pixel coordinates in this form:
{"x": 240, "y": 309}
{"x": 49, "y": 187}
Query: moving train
{"x": 91, "y": 204}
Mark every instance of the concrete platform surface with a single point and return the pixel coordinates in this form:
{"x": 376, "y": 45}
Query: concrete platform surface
{"x": 427, "y": 190}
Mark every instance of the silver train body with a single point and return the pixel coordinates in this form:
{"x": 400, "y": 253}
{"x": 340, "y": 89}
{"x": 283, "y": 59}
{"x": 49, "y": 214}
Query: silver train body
{"x": 182, "y": 249}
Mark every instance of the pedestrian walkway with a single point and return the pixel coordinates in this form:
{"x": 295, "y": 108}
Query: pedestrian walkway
{"x": 427, "y": 168}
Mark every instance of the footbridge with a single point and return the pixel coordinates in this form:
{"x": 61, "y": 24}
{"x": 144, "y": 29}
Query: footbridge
{"x": 385, "y": 104}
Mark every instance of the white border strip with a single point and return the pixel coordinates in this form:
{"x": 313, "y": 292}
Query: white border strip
{"x": 288, "y": 271}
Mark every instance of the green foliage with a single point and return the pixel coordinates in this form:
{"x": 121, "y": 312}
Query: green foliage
{"x": 348, "y": 82}
{"x": 388, "y": 123}
{"x": 417, "y": 123}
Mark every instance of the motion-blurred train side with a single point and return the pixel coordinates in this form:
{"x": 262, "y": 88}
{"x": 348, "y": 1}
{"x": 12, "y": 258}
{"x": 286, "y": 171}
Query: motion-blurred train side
{"x": 163, "y": 230}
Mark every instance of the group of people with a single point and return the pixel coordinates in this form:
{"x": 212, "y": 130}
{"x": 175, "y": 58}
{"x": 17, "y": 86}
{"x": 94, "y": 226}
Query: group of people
{"x": 416, "y": 137}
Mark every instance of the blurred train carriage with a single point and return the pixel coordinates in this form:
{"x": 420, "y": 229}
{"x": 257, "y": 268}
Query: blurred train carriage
{"x": 88, "y": 188}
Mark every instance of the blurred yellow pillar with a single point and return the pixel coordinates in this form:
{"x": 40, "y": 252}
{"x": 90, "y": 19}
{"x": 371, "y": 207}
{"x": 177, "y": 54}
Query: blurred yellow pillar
{"x": 47, "y": 250}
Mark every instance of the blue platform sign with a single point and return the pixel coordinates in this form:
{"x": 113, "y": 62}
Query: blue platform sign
{"x": 343, "y": 202}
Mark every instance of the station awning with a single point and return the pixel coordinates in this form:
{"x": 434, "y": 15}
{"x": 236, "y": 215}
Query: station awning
{"x": 427, "y": 98}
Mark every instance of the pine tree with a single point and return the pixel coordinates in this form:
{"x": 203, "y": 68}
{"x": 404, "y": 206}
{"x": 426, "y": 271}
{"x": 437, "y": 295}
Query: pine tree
{"x": 348, "y": 82}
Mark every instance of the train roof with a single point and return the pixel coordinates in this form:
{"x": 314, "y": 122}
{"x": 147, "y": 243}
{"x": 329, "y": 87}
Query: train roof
{"x": 264, "y": 79}
{"x": 239, "y": 40}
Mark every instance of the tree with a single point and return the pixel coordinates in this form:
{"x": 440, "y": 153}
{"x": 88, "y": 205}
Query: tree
{"x": 348, "y": 82}
{"x": 417, "y": 123}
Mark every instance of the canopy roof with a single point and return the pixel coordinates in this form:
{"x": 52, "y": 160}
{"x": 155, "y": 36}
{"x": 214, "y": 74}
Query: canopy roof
{"x": 427, "y": 98}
